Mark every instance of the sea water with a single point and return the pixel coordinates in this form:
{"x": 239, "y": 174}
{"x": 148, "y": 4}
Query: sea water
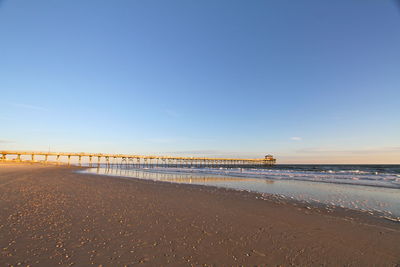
{"x": 371, "y": 188}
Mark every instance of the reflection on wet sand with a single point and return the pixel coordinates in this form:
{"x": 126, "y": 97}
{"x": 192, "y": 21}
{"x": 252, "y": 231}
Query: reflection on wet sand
{"x": 175, "y": 177}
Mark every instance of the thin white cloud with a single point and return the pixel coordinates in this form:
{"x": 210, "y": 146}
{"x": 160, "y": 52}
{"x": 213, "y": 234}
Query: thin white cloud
{"x": 367, "y": 150}
{"x": 6, "y": 141}
{"x": 31, "y": 107}
{"x": 296, "y": 138}
{"x": 216, "y": 154}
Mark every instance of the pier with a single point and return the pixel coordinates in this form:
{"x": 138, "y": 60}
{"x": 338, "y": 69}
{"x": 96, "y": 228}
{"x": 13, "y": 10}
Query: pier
{"x": 132, "y": 160}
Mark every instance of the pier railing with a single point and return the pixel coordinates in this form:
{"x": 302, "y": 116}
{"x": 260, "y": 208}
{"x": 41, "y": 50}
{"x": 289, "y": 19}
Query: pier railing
{"x": 139, "y": 160}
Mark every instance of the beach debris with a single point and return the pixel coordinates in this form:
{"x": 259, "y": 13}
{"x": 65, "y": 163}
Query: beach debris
{"x": 143, "y": 260}
{"x": 258, "y": 253}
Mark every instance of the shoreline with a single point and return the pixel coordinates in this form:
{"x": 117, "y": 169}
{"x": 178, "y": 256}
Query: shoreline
{"x": 127, "y": 174}
{"x": 198, "y": 224}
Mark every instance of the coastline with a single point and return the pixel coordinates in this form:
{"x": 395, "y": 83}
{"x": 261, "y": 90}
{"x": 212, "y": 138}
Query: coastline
{"x": 52, "y": 215}
{"x": 383, "y": 202}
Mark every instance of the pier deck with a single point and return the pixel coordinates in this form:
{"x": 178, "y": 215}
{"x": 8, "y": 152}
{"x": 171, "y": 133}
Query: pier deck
{"x": 133, "y": 159}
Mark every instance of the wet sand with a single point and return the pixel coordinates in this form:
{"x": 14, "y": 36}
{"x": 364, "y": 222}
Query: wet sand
{"x": 53, "y": 216}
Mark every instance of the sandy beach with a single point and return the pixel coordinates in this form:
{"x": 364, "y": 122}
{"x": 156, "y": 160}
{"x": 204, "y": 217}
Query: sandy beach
{"x": 51, "y": 215}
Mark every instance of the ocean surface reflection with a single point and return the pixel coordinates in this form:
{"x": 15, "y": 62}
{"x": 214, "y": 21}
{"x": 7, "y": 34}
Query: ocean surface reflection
{"x": 380, "y": 201}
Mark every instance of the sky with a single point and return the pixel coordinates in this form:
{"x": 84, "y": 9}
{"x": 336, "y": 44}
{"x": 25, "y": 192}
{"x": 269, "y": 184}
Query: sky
{"x": 307, "y": 81}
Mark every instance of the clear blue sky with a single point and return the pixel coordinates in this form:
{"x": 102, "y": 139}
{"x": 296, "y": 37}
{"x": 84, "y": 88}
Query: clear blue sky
{"x": 308, "y": 81}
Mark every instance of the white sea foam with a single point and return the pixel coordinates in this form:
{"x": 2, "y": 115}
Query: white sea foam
{"x": 354, "y": 177}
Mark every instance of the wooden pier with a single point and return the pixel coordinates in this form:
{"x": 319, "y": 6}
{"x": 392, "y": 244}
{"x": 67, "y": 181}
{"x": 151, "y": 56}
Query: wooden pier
{"x": 133, "y": 160}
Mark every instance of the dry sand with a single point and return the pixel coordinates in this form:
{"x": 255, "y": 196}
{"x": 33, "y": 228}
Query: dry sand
{"x": 52, "y": 216}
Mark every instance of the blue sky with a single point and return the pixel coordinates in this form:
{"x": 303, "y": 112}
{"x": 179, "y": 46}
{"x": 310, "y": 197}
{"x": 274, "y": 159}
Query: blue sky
{"x": 307, "y": 81}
